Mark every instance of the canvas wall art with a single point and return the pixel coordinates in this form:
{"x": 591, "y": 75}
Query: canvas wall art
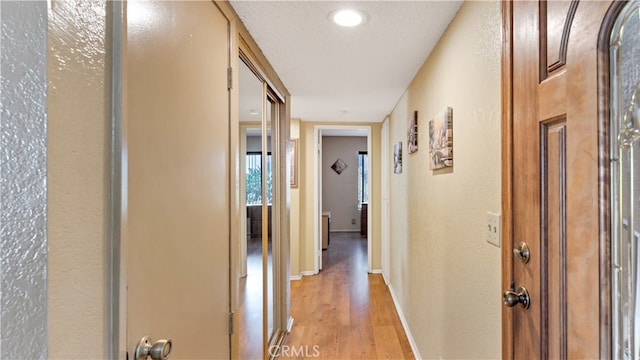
{"x": 339, "y": 166}
{"x": 412, "y": 141}
{"x": 441, "y": 140}
{"x": 397, "y": 158}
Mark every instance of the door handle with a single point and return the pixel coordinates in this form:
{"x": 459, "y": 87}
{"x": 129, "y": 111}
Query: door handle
{"x": 521, "y": 296}
{"x": 160, "y": 350}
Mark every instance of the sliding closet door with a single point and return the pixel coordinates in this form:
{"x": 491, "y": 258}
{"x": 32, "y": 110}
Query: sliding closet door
{"x": 261, "y": 276}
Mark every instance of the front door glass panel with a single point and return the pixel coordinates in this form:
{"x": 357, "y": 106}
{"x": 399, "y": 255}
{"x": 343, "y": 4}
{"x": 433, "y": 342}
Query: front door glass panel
{"x": 625, "y": 181}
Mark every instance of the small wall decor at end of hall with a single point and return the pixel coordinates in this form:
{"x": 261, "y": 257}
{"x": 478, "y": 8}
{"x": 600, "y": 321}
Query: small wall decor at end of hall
{"x": 412, "y": 142}
{"x": 441, "y": 140}
{"x": 397, "y": 158}
{"x": 339, "y": 166}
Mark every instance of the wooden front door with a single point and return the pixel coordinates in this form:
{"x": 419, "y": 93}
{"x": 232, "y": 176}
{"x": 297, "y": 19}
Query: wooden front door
{"x": 554, "y": 105}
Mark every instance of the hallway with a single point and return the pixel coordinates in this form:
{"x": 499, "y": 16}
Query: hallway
{"x": 345, "y": 313}
{"x": 138, "y": 157}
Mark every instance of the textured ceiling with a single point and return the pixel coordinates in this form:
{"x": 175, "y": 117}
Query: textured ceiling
{"x": 345, "y": 74}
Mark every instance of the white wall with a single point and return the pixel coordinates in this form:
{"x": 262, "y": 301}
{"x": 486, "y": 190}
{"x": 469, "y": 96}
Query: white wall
{"x": 23, "y": 192}
{"x": 444, "y": 274}
{"x": 340, "y": 191}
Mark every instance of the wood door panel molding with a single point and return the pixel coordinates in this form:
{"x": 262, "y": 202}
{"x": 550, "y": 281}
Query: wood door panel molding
{"x": 554, "y": 239}
{"x": 554, "y": 34}
{"x": 552, "y": 96}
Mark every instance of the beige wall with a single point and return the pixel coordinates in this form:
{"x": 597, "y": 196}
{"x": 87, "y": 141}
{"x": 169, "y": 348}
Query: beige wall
{"x": 340, "y": 191}
{"x": 303, "y": 256}
{"x": 444, "y": 274}
{"x": 78, "y": 179}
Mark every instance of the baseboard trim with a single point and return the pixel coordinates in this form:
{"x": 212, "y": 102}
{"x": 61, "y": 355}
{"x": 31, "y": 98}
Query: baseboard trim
{"x": 403, "y": 320}
{"x": 386, "y": 281}
{"x": 376, "y": 271}
{"x": 302, "y": 273}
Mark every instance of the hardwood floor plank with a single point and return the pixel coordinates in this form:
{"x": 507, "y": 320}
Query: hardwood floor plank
{"x": 344, "y": 312}
{"x": 387, "y": 343}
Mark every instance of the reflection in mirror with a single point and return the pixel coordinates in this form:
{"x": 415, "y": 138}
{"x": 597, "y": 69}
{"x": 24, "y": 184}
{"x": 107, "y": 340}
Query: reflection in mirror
{"x": 258, "y": 114}
{"x": 270, "y": 118}
{"x": 625, "y": 183}
{"x": 250, "y": 292}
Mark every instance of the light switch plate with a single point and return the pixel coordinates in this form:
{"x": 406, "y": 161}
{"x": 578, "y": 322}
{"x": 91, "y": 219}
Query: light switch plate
{"x": 492, "y": 229}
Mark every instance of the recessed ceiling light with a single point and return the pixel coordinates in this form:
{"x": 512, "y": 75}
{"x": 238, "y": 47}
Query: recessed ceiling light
{"x": 348, "y": 17}
{"x": 253, "y": 112}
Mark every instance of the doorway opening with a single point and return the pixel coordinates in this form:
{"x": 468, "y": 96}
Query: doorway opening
{"x": 342, "y": 186}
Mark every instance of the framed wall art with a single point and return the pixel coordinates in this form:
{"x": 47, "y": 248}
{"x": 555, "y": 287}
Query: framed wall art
{"x": 441, "y": 140}
{"x": 397, "y": 158}
{"x": 339, "y": 166}
{"x": 412, "y": 138}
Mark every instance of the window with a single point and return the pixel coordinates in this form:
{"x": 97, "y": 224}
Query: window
{"x": 363, "y": 178}
{"x": 254, "y": 178}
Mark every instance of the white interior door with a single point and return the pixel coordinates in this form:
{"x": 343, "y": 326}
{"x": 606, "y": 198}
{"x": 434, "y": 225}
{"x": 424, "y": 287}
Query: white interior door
{"x": 176, "y": 218}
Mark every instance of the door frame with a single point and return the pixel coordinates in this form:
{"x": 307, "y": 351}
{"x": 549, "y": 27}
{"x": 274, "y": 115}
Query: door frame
{"x": 507, "y": 261}
{"x": 385, "y": 251}
{"x": 118, "y": 187}
{"x": 317, "y": 191}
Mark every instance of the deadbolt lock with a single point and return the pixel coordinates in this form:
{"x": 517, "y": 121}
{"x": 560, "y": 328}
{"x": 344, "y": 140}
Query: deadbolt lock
{"x": 522, "y": 252}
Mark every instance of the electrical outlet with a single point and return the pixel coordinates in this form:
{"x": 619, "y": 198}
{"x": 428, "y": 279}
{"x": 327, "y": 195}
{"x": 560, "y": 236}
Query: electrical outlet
{"x": 353, "y": 221}
{"x": 492, "y": 228}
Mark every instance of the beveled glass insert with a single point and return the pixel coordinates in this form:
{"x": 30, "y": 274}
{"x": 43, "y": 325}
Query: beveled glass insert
{"x": 624, "y": 129}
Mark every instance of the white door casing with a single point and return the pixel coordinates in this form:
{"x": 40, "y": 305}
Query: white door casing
{"x": 384, "y": 189}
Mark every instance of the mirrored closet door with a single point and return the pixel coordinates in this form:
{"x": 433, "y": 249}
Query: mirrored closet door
{"x": 260, "y": 277}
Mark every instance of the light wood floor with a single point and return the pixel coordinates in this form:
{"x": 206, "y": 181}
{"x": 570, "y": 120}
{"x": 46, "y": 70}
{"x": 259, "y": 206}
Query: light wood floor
{"x": 344, "y": 312}
{"x": 249, "y": 313}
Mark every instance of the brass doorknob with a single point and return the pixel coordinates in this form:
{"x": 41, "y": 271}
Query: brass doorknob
{"x": 512, "y": 298}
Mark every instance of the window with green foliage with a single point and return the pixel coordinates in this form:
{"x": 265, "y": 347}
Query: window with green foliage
{"x": 254, "y": 178}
